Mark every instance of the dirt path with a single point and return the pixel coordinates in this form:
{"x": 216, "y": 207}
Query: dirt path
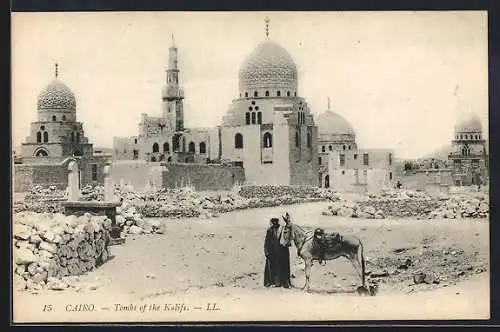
{"x": 220, "y": 260}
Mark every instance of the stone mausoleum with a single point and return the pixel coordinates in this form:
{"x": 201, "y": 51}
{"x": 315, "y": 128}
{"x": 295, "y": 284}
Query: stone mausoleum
{"x": 268, "y": 130}
{"x": 56, "y": 137}
{"x": 469, "y": 156}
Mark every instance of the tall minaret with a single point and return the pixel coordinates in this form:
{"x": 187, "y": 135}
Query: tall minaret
{"x": 172, "y": 94}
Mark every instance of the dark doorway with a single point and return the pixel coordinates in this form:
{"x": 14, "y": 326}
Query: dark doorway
{"x": 327, "y": 181}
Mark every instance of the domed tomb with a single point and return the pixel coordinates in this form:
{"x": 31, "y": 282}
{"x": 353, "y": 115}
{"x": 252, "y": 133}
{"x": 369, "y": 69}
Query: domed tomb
{"x": 331, "y": 124}
{"x": 268, "y": 66}
{"x": 468, "y": 123}
{"x": 56, "y": 96}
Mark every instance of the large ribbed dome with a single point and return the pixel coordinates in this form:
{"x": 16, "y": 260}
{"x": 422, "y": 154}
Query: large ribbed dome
{"x": 331, "y": 123}
{"x": 469, "y": 123}
{"x": 268, "y": 66}
{"x": 56, "y": 96}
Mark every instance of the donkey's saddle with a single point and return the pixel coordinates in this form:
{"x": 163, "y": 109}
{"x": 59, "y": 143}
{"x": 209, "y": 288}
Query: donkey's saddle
{"x": 327, "y": 241}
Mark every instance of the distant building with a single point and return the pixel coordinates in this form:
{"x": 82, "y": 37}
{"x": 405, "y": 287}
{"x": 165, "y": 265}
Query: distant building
{"x": 55, "y": 138}
{"x": 469, "y": 159}
{"x": 361, "y": 170}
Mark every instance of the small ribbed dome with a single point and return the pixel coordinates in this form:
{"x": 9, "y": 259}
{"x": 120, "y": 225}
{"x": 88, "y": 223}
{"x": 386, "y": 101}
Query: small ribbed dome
{"x": 56, "y": 96}
{"x": 469, "y": 123}
{"x": 331, "y": 123}
{"x": 268, "y": 66}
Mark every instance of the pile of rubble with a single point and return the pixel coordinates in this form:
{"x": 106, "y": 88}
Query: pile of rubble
{"x": 265, "y": 191}
{"x": 410, "y": 204}
{"x": 40, "y": 200}
{"x": 463, "y": 207}
{"x": 51, "y": 247}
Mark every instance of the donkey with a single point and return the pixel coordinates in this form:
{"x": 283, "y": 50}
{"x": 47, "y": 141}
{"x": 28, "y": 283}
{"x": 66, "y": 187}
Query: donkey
{"x": 349, "y": 247}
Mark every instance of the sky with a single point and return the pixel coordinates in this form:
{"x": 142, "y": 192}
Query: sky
{"x": 400, "y": 78}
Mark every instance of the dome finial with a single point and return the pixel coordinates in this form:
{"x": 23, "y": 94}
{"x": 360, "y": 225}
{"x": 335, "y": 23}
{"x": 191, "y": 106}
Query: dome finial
{"x": 56, "y": 69}
{"x": 267, "y": 20}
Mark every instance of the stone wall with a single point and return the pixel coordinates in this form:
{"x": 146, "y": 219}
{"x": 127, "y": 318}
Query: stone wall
{"x": 202, "y": 177}
{"x": 26, "y": 176}
{"x": 137, "y": 173}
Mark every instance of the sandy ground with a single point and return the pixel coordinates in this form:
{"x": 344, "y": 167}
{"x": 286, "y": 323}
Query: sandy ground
{"x": 179, "y": 275}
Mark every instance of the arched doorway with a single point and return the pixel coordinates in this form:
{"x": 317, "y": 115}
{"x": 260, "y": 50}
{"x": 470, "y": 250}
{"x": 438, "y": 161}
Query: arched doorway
{"x": 327, "y": 181}
{"x": 41, "y": 153}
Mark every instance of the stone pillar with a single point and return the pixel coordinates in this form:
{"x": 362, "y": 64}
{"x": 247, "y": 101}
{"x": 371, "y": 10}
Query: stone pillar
{"x": 109, "y": 190}
{"x": 73, "y": 179}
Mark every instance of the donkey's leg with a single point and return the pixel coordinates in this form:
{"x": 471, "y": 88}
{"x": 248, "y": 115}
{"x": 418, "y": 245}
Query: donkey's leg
{"x": 307, "y": 271}
{"x": 355, "y": 260}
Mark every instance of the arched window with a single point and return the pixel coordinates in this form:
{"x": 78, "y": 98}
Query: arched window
{"x": 323, "y": 149}
{"x": 267, "y": 93}
{"x": 191, "y": 147}
{"x": 246, "y": 94}
{"x": 156, "y": 147}
{"x": 64, "y": 117}
{"x": 169, "y": 159}
{"x": 45, "y": 137}
{"x": 259, "y": 117}
{"x": 253, "y": 117}
{"x": 288, "y": 93}
{"x": 255, "y": 94}
{"x": 295, "y": 93}
{"x": 203, "y": 147}
{"x": 135, "y": 141}
{"x": 330, "y": 148}
{"x": 477, "y": 137}
{"x": 54, "y": 118}
{"x": 278, "y": 93}
{"x": 268, "y": 140}
{"x": 461, "y": 137}
{"x": 39, "y": 137}
{"x": 238, "y": 141}
{"x": 247, "y": 118}
{"x": 343, "y": 148}
{"x": 309, "y": 139}
{"x": 297, "y": 139}
{"x": 166, "y": 147}
{"x": 78, "y": 137}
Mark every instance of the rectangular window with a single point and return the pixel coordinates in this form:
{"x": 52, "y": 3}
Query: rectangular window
{"x": 342, "y": 159}
{"x": 366, "y": 160}
{"x": 319, "y": 160}
{"x": 355, "y": 156}
{"x": 323, "y": 149}
{"x": 94, "y": 172}
{"x": 238, "y": 163}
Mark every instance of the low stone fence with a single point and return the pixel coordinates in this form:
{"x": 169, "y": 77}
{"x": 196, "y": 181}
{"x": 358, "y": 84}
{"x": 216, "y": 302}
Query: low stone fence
{"x": 50, "y": 247}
